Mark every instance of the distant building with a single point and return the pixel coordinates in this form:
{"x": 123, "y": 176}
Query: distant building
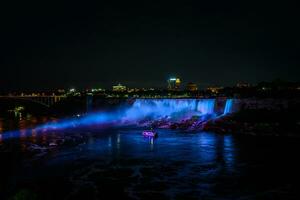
{"x": 171, "y": 83}
{"x": 119, "y": 88}
{"x": 242, "y": 84}
{"x": 174, "y": 84}
{"x": 191, "y": 87}
{"x": 94, "y": 90}
{"x": 61, "y": 91}
{"x": 214, "y": 89}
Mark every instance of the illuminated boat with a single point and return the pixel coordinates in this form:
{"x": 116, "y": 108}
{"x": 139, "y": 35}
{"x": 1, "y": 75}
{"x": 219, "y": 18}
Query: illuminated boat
{"x": 52, "y": 144}
{"x": 150, "y": 133}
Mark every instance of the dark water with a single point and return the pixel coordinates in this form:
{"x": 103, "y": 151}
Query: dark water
{"x": 95, "y": 164}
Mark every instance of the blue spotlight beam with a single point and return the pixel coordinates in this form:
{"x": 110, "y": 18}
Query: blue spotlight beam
{"x": 141, "y": 109}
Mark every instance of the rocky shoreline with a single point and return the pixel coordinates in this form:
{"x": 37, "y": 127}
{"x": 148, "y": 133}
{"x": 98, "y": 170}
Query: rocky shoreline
{"x": 245, "y": 122}
{"x": 232, "y": 126}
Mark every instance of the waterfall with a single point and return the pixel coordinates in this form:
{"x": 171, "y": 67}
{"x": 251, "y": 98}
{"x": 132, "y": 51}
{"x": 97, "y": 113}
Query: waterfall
{"x": 170, "y": 107}
{"x": 228, "y": 107}
{"x": 142, "y": 109}
{"x": 206, "y": 106}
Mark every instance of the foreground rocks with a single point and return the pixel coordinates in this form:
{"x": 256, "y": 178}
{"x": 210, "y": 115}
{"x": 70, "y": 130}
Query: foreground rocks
{"x": 257, "y": 122}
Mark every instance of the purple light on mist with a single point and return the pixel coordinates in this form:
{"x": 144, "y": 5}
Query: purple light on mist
{"x": 156, "y": 108}
{"x": 206, "y": 106}
{"x": 174, "y": 109}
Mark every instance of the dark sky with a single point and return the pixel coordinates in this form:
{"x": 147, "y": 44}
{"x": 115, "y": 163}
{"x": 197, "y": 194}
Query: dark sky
{"x": 143, "y": 43}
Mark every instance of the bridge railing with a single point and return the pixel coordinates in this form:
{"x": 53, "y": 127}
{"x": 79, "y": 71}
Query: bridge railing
{"x": 44, "y": 100}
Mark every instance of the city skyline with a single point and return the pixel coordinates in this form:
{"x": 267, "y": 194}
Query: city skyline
{"x": 183, "y": 85}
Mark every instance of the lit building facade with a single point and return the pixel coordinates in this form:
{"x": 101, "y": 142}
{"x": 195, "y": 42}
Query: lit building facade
{"x": 191, "y": 87}
{"x": 214, "y": 89}
{"x": 119, "y": 88}
{"x": 174, "y": 84}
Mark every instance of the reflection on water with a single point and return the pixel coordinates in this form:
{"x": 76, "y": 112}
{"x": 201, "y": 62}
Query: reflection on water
{"x": 23, "y": 138}
{"x": 118, "y": 144}
{"x": 23, "y": 123}
{"x": 151, "y": 141}
{"x": 33, "y": 136}
{"x": 122, "y": 163}
{"x": 228, "y": 152}
{"x": 44, "y": 137}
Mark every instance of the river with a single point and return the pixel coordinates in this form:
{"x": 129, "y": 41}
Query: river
{"x": 120, "y": 163}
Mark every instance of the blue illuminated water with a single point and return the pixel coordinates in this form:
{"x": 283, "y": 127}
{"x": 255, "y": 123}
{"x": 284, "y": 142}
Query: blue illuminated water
{"x": 174, "y": 108}
{"x": 206, "y": 106}
{"x": 122, "y": 164}
{"x": 228, "y": 106}
{"x": 150, "y": 109}
{"x": 117, "y": 162}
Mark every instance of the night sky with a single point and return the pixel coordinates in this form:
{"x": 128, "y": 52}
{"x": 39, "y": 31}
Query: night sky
{"x": 141, "y": 44}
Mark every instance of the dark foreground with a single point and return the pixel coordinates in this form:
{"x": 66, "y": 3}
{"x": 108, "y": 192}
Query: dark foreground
{"x": 121, "y": 164}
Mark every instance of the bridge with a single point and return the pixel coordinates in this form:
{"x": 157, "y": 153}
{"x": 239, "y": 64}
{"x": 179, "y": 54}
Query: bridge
{"x": 47, "y": 100}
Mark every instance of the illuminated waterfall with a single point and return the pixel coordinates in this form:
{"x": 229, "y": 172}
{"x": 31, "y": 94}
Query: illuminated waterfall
{"x": 142, "y": 109}
{"x": 228, "y": 107}
{"x": 206, "y": 106}
{"x": 168, "y": 107}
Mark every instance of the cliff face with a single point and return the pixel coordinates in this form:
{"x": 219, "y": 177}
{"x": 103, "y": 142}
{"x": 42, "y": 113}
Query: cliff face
{"x": 257, "y": 104}
{"x": 268, "y": 104}
{"x": 261, "y": 117}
